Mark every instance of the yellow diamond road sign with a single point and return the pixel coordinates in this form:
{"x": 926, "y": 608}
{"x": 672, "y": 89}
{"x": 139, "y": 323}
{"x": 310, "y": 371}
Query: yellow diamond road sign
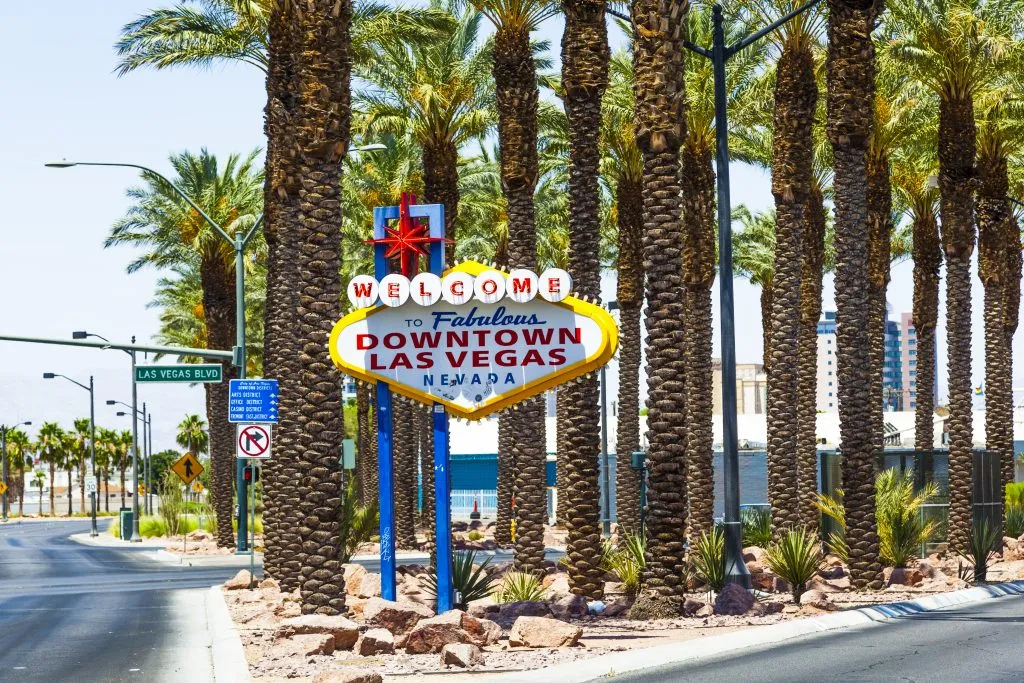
{"x": 187, "y": 468}
{"x": 3, "y": 488}
{"x": 197, "y": 487}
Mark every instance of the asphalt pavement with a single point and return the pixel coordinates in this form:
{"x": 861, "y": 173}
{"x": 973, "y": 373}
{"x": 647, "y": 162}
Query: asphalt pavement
{"x": 70, "y": 612}
{"x": 979, "y": 642}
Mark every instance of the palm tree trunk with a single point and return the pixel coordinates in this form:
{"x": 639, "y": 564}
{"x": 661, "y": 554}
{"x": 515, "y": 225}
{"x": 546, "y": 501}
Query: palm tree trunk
{"x": 53, "y": 506}
{"x": 1011, "y": 315}
{"x": 766, "y": 327}
{"x": 405, "y": 450}
{"x": 879, "y": 250}
{"x": 630, "y": 295}
{"x": 927, "y": 255}
{"x": 699, "y": 252}
{"x": 584, "y": 78}
{"x": 81, "y": 483}
{"x": 796, "y": 96}
{"x": 106, "y": 485}
{"x": 122, "y": 486}
{"x": 561, "y": 448}
{"x": 425, "y": 415}
{"x": 993, "y": 213}
{"x": 441, "y": 186}
{"x": 658, "y": 62}
{"x": 957, "y": 140}
{"x": 506, "y": 482}
{"x": 807, "y": 372}
{"x": 851, "y": 88}
{"x": 71, "y": 493}
{"x": 21, "y": 478}
{"x": 517, "y": 95}
{"x": 366, "y": 463}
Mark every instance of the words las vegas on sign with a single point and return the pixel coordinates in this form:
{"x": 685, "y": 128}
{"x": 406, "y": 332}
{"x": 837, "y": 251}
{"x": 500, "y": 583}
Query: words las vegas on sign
{"x": 476, "y": 340}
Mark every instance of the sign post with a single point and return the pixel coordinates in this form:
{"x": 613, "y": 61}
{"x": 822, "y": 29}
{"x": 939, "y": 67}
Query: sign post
{"x": 250, "y": 401}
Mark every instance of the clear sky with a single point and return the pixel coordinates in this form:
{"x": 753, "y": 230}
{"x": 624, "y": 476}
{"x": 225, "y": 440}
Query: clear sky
{"x": 63, "y": 101}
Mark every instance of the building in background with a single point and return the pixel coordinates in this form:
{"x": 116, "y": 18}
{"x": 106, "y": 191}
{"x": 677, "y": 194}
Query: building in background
{"x": 892, "y": 366}
{"x": 751, "y": 388}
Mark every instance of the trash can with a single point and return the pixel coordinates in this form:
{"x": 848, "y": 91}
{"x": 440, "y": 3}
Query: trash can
{"x": 127, "y": 522}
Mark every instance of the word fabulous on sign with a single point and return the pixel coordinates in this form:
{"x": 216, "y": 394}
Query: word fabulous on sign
{"x": 476, "y": 340}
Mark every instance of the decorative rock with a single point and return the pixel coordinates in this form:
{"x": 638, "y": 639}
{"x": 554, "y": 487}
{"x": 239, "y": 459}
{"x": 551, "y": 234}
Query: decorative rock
{"x": 764, "y": 581}
{"x": 832, "y": 572}
{"x": 376, "y": 641}
{"x": 569, "y": 606}
{"x": 705, "y": 611}
{"x": 454, "y": 626}
{"x": 691, "y": 607}
{"x": 734, "y": 600}
{"x": 753, "y": 553}
{"x": 463, "y": 655}
{"x": 369, "y": 586}
{"x": 613, "y": 588}
{"x": 348, "y": 675}
{"x": 199, "y": 535}
{"x": 1011, "y": 544}
{"x": 819, "y": 600}
{"x": 558, "y": 587}
{"x": 305, "y": 644}
{"x": 842, "y": 583}
{"x": 543, "y": 632}
{"x": 927, "y": 570}
{"x": 482, "y": 607}
{"x": 288, "y": 609}
{"x": 354, "y": 574}
{"x": 509, "y": 612}
{"x": 819, "y": 584}
{"x": 345, "y": 631}
{"x": 238, "y": 581}
{"x": 902, "y": 577}
{"x": 616, "y": 607}
{"x": 762, "y": 609}
{"x": 754, "y": 567}
{"x": 397, "y": 618}
{"x": 269, "y": 584}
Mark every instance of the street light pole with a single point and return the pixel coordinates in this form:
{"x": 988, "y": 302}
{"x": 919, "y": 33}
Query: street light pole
{"x": 149, "y": 462}
{"x": 719, "y": 54}
{"x": 92, "y": 438}
{"x": 3, "y": 467}
{"x": 136, "y": 537}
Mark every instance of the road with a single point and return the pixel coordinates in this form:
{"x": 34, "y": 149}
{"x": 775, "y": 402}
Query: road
{"x": 70, "y": 612}
{"x": 980, "y": 642}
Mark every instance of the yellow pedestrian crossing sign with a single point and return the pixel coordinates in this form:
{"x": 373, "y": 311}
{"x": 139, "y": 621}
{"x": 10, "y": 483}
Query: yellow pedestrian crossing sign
{"x": 197, "y": 487}
{"x": 187, "y": 468}
{"x": 3, "y": 488}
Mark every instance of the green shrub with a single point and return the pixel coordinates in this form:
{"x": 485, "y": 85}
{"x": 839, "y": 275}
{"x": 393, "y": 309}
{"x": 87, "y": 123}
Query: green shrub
{"x": 795, "y": 559}
{"x": 901, "y": 529}
{"x": 474, "y": 535}
{"x": 1015, "y": 495}
{"x": 979, "y": 551}
{"x": 172, "y": 503}
{"x": 709, "y": 558}
{"x": 358, "y": 522}
{"x": 471, "y": 582}
{"x": 1014, "y": 522}
{"x": 626, "y": 561}
{"x": 152, "y": 526}
{"x": 519, "y": 587}
{"x": 115, "y": 527}
{"x": 833, "y": 508}
{"x": 757, "y": 527}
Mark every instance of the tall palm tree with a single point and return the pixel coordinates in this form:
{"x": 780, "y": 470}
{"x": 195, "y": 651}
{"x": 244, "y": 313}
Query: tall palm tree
{"x": 658, "y": 62}
{"x": 18, "y": 447}
{"x": 851, "y": 98}
{"x": 174, "y": 235}
{"x": 81, "y": 438}
{"x": 70, "y": 458}
{"x": 622, "y": 166}
{"x": 307, "y": 125}
{"x": 103, "y": 464}
{"x": 51, "y": 441}
{"x": 754, "y": 258}
{"x": 366, "y": 463}
{"x": 517, "y": 95}
{"x": 584, "y": 81}
{"x": 193, "y": 435}
{"x": 957, "y": 49}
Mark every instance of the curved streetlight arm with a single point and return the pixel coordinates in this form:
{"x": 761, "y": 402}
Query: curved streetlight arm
{"x": 57, "y": 374}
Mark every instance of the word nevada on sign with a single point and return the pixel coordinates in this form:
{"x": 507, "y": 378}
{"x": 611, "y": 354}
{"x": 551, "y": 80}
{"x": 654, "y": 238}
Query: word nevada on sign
{"x": 462, "y": 345}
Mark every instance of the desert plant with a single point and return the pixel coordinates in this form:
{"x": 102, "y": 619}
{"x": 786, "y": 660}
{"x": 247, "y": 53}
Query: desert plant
{"x": 626, "y": 561}
{"x": 172, "y": 504}
{"x": 474, "y": 535}
{"x": 1014, "y": 521}
{"x": 709, "y": 558}
{"x": 757, "y": 527}
{"x": 470, "y": 581}
{"x": 519, "y": 587}
{"x": 901, "y": 528}
{"x": 152, "y": 526}
{"x": 832, "y": 507}
{"x": 979, "y": 551}
{"x": 795, "y": 558}
{"x": 1015, "y": 495}
{"x": 358, "y": 522}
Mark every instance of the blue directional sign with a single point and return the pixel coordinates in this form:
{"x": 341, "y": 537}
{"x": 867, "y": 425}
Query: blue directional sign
{"x": 252, "y": 400}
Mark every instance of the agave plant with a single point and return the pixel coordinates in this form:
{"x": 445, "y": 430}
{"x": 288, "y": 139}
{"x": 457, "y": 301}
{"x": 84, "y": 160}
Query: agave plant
{"x": 709, "y": 558}
{"x": 757, "y": 527}
{"x": 979, "y": 551}
{"x": 471, "y": 581}
{"x": 519, "y": 587}
{"x": 795, "y": 559}
{"x": 626, "y": 561}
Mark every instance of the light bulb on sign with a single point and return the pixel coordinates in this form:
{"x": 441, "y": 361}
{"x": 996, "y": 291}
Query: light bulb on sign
{"x": 521, "y": 285}
{"x": 425, "y": 289}
{"x": 362, "y": 291}
{"x": 489, "y": 286}
{"x": 394, "y": 290}
{"x": 457, "y": 288}
{"x": 555, "y": 285}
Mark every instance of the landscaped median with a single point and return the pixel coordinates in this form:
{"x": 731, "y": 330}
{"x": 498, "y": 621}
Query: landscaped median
{"x": 535, "y": 622}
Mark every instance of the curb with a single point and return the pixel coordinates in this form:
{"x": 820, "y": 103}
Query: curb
{"x": 606, "y": 666}
{"x": 229, "y": 663}
{"x": 110, "y": 542}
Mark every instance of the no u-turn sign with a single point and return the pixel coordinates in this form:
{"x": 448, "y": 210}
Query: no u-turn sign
{"x": 253, "y": 441}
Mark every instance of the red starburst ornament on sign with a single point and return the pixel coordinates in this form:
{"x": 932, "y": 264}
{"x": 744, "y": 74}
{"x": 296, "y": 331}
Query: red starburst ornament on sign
{"x": 408, "y": 240}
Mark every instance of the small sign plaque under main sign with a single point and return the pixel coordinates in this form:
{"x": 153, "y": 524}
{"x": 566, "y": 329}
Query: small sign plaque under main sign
{"x": 208, "y": 373}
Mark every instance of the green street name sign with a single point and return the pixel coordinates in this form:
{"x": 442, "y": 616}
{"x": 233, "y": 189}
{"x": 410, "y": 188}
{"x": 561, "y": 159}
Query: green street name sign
{"x": 179, "y": 373}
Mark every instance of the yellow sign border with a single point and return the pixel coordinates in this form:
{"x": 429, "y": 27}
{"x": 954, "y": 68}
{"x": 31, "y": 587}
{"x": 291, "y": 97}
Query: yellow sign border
{"x": 609, "y": 344}
{"x": 182, "y": 459}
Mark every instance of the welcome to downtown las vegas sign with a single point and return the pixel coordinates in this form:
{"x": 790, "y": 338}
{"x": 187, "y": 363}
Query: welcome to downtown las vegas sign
{"x": 476, "y": 340}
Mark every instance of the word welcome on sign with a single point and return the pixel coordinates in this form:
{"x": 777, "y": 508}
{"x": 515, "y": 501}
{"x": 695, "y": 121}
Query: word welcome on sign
{"x": 475, "y": 356}
{"x": 457, "y": 287}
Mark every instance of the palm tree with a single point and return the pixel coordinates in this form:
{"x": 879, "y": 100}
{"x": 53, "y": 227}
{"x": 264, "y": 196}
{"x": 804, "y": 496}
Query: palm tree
{"x": 307, "y": 126}
{"x": 366, "y": 464}
{"x": 39, "y": 480}
{"x": 81, "y": 439}
{"x": 103, "y": 462}
{"x": 70, "y": 458}
{"x": 957, "y": 49}
{"x": 193, "y": 435}
{"x": 120, "y": 449}
{"x": 175, "y": 236}
{"x": 18, "y": 447}
{"x": 437, "y": 91}
{"x": 754, "y": 258}
{"x": 658, "y": 57}
{"x": 584, "y": 80}
{"x": 517, "y": 95}
{"x": 622, "y": 166}
{"x": 51, "y": 451}
{"x": 851, "y": 99}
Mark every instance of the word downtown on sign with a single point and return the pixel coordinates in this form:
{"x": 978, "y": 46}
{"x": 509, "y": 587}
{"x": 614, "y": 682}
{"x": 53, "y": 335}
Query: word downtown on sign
{"x": 476, "y": 340}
